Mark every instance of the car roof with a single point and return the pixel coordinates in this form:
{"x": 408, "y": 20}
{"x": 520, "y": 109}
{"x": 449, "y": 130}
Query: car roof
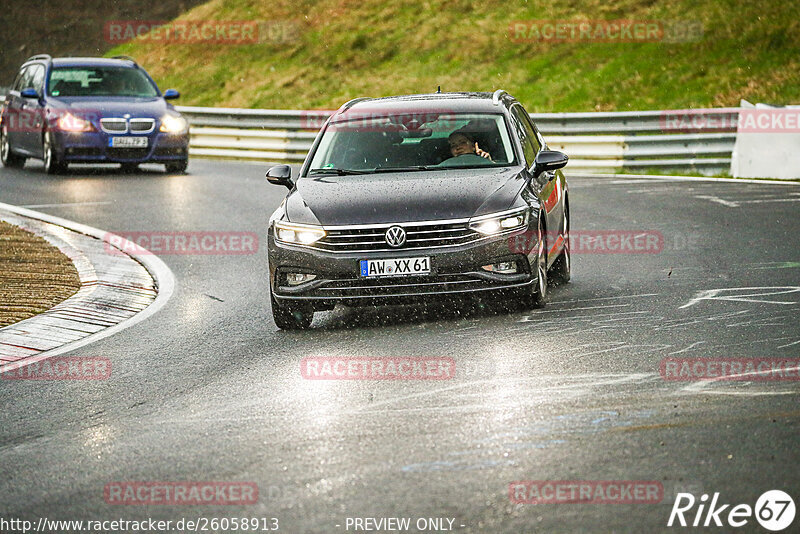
{"x": 438, "y": 102}
{"x": 91, "y": 62}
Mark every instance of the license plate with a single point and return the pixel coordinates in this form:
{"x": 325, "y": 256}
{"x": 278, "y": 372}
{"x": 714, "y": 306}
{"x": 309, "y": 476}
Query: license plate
{"x": 395, "y": 267}
{"x": 128, "y": 142}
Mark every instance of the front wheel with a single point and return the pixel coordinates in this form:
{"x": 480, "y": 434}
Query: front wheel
{"x": 52, "y": 164}
{"x": 291, "y": 316}
{"x": 176, "y": 166}
{"x": 8, "y": 158}
{"x": 535, "y": 294}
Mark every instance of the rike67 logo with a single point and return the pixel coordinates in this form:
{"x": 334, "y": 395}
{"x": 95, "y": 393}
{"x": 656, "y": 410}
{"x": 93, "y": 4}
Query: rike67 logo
{"x": 774, "y": 510}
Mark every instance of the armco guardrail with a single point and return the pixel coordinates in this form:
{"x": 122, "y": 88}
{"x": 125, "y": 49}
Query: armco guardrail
{"x": 699, "y": 140}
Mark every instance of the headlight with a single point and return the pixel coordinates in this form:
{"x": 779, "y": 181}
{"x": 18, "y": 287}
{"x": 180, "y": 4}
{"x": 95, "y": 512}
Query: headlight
{"x": 173, "y": 124}
{"x": 298, "y": 233}
{"x": 495, "y": 224}
{"x": 70, "y": 123}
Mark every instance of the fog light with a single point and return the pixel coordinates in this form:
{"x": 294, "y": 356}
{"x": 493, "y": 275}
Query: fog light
{"x": 506, "y": 267}
{"x": 295, "y": 279}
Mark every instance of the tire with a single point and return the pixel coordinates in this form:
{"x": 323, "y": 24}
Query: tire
{"x": 176, "y": 166}
{"x": 534, "y": 295}
{"x": 561, "y": 271}
{"x": 52, "y": 165}
{"x": 8, "y": 158}
{"x": 129, "y": 168}
{"x": 291, "y": 317}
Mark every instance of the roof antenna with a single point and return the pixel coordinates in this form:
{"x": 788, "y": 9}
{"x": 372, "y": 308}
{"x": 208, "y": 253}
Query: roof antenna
{"x": 438, "y": 88}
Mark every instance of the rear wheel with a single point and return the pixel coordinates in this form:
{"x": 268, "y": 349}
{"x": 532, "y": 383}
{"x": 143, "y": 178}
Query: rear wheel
{"x": 8, "y": 158}
{"x": 293, "y": 316}
{"x": 535, "y": 294}
{"x": 562, "y": 267}
{"x": 176, "y": 166}
{"x": 52, "y": 164}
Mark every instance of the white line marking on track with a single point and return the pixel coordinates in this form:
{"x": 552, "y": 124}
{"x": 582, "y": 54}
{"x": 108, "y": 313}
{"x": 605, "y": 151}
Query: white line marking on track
{"x": 718, "y": 200}
{"x": 700, "y": 386}
{"x": 762, "y": 200}
{"x": 660, "y": 178}
{"x": 714, "y": 294}
{"x": 32, "y": 206}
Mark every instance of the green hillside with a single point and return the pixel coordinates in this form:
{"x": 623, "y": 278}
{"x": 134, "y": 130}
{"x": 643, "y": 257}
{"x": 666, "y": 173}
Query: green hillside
{"x": 318, "y": 54}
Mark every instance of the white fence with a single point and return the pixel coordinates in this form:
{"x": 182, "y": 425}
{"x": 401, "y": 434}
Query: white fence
{"x": 698, "y": 141}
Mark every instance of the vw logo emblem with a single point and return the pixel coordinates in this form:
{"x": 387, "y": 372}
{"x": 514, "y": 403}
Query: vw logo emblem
{"x": 395, "y": 236}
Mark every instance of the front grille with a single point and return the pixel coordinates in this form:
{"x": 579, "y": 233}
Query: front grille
{"x": 127, "y": 153}
{"x": 142, "y": 125}
{"x": 418, "y": 236}
{"x": 406, "y": 286}
{"x": 114, "y": 125}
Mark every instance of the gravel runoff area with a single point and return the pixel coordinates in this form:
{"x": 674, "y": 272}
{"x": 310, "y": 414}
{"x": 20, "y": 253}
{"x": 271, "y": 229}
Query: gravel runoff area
{"x": 34, "y": 275}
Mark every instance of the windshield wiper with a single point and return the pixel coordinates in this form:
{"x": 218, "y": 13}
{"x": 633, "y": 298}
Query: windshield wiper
{"x": 340, "y": 172}
{"x": 403, "y": 169}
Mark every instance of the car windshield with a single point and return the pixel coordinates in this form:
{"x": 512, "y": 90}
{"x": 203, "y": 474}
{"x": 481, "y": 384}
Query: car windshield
{"x": 365, "y": 142}
{"x": 100, "y": 81}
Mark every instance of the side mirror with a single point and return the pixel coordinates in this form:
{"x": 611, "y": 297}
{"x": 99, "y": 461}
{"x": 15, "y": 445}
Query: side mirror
{"x": 29, "y": 93}
{"x": 549, "y": 160}
{"x": 171, "y": 94}
{"x": 280, "y": 175}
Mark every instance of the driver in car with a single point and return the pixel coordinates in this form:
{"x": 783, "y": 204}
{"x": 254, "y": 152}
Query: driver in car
{"x": 463, "y": 145}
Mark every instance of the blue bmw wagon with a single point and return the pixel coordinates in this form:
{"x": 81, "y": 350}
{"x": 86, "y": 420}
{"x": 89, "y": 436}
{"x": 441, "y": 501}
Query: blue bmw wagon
{"x": 90, "y": 110}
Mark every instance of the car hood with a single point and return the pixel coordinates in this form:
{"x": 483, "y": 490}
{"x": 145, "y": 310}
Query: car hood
{"x": 403, "y": 197}
{"x": 117, "y": 106}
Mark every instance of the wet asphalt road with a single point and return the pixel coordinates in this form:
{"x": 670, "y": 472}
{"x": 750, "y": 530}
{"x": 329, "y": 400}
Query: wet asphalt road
{"x": 209, "y": 389}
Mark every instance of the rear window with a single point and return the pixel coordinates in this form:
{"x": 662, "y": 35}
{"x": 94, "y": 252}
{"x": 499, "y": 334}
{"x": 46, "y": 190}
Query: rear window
{"x": 100, "y": 81}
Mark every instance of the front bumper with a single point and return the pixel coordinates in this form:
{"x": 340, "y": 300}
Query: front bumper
{"x": 93, "y": 147}
{"x": 455, "y": 272}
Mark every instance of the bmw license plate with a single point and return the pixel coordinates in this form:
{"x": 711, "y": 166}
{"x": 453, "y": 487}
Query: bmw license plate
{"x": 128, "y": 142}
{"x": 395, "y": 267}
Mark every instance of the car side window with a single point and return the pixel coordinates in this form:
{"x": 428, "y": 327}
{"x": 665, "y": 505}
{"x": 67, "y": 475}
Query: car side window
{"x": 37, "y": 78}
{"x": 525, "y": 134}
{"x": 529, "y": 128}
{"x": 18, "y": 80}
{"x": 542, "y": 143}
{"x": 27, "y": 78}
{"x": 536, "y": 137}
